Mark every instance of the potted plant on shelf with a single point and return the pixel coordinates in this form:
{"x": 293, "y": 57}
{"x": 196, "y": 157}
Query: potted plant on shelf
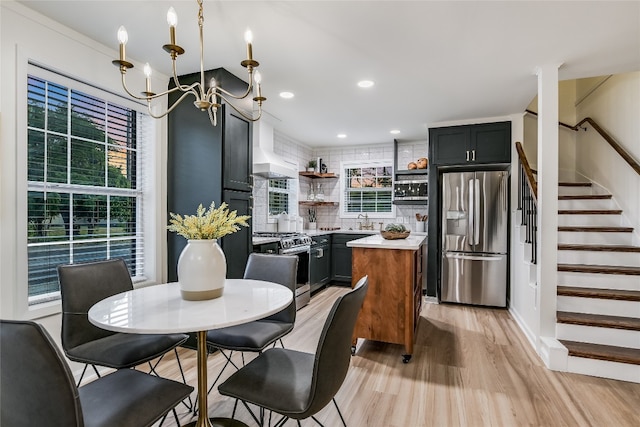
{"x": 311, "y": 166}
{"x": 202, "y": 266}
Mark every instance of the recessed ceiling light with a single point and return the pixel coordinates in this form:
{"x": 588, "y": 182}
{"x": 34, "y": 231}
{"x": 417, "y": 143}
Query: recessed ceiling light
{"x": 395, "y": 132}
{"x": 365, "y": 83}
{"x": 342, "y": 135}
{"x": 286, "y": 95}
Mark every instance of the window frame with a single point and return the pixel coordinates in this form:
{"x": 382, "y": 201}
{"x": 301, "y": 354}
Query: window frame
{"x": 350, "y": 164}
{"x": 150, "y": 214}
{"x": 292, "y": 193}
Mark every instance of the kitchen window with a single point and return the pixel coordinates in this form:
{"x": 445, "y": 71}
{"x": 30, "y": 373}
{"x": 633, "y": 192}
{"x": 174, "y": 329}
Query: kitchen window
{"x": 366, "y": 187}
{"x": 279, "y": 194}
{"x": 84, "y": 188}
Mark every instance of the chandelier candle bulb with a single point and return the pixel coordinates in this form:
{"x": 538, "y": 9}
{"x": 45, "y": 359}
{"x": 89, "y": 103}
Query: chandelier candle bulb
{"x": 147, "y": 74}
{"x": 123, "y": 37}
{"x": 258, "y": 79}
{"x": 172, "y": 20}
{"x": 248, "y": 37}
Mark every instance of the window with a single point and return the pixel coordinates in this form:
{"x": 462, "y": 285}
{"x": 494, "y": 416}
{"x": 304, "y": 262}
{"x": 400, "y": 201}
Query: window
{"x": 279, "y": 190}
{"x": 366, "y": 187}
{"x": 84, "y": 189}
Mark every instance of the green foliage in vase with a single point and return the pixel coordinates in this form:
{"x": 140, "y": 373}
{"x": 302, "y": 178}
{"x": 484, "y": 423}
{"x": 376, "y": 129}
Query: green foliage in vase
{"x": 213, "y": 223}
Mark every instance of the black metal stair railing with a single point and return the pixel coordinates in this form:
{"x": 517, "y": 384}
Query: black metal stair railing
{"x": 527, "y": 201}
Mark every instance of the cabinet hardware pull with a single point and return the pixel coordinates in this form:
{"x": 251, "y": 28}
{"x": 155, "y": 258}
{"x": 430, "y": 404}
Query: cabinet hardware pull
{"x": 473, "y": 155}
{"x": 467, "y": 155}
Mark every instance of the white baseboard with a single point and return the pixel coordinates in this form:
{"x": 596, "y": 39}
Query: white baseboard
{"x": 554, "y": 354}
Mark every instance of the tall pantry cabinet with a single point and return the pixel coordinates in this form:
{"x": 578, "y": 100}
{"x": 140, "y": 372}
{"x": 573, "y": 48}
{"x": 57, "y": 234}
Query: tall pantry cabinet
{"x": 208, "y": 163}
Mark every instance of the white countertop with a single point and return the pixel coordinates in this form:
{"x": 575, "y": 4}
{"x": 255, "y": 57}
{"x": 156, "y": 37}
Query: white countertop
{"x": 376, "y": 241}
{"x": 265, "y": 240}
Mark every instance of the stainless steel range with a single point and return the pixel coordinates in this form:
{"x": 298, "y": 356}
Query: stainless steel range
{"x": 300, "y": 245}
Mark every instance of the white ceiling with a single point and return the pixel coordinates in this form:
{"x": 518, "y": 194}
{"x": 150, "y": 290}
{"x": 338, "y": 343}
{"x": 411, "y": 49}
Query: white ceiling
{"x": 432, "y": 61}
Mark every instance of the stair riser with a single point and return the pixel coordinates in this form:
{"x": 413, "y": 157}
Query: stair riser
{"x": 597, "y": 280}
{"x": 598, "y": 204}
{"x": 599, "y": 306}
{"x": 604, "y": 369}
{"x": 597, "y": 335}
{"x": 574, "y": 191}
{"x": 565, "y": 220}
{"x": 627, "y": 259}
{"x": 593, "y": 238}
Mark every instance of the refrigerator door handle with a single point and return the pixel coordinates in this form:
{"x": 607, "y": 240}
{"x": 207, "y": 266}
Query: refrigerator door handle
{"x": 476, "y": 210}
{"x": 474, "y": 257}
{"x": 472, "y": 219}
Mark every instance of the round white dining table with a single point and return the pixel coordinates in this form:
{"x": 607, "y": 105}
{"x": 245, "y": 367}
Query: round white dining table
{"x": 160, "y": 309}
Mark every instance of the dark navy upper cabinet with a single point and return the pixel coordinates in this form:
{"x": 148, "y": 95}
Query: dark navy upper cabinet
{"x": 471, "y": 144}
{"x": 208, "y": 163}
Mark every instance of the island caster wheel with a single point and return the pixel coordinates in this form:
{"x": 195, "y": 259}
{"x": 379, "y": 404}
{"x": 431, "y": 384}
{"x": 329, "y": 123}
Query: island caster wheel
{"x": 406, "y": 358}
{"x": 353, "y": 350}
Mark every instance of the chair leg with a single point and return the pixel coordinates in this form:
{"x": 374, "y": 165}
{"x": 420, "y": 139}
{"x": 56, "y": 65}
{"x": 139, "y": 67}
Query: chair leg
{"x": 339, "y": 413}
{"x": 184, "y": 380}
{"x": 82, "y": 375}
{"x": 222, "y": 370}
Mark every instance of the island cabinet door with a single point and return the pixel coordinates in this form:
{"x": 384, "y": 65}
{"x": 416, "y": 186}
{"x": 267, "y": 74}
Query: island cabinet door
{"x": 388, "y": 310}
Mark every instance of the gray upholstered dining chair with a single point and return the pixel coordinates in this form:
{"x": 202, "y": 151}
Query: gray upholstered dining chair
{"x": 258, "y": 335}
{"x": 38, "y": 389}
{"x": 81, "y": 286}
{"x": 297, "y": 385}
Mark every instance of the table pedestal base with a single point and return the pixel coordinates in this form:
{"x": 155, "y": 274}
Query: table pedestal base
{"x": 220, "y": 422}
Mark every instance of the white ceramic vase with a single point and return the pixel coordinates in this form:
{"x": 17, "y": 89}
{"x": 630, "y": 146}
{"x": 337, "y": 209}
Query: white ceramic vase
{"x": 202, "y": 269}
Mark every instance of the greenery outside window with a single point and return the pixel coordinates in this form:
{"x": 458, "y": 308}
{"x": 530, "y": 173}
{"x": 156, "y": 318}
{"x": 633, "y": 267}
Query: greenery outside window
{"x": 366, "y": 187}
{"x": 84, "y": 183}
{"x": 279, "y": 191}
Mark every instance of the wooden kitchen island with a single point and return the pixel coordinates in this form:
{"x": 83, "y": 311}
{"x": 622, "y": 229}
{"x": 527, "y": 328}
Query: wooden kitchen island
{"x": 391, "y": 309}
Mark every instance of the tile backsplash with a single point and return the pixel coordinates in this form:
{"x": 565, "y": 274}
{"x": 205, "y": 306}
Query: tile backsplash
{"x": 328, "y": 216}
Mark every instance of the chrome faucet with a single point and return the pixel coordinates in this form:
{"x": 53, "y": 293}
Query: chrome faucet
{"x": 366, "y": 225}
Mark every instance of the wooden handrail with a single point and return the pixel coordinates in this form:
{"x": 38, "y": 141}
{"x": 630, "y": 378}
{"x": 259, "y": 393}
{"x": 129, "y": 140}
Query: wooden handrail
{"x": 533, "y": 185}
{"x": 621, "y": 151}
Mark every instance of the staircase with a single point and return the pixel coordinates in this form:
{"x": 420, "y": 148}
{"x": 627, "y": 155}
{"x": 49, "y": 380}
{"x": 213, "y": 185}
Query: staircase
{"x": 598, "y": 307}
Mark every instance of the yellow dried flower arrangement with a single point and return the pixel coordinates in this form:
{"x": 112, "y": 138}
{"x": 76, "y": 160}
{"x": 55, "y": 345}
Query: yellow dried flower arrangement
{"x": 210, "y": 224}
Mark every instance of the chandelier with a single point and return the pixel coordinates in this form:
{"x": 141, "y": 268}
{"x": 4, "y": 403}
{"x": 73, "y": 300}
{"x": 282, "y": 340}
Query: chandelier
{"x": 207, "y": 97}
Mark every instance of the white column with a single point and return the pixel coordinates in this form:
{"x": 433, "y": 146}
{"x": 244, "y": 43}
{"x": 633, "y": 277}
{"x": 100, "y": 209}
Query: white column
{"x": 547, "y": 233}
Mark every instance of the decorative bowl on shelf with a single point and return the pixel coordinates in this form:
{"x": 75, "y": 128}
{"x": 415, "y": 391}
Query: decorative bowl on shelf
{"x": 394, "y": 235}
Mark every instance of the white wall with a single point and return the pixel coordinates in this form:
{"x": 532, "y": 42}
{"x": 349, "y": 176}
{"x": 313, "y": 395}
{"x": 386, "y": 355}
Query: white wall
{"x": 26, "y": 36}
{"x": 567, "y": 137}
{"x": 615, "y": 106}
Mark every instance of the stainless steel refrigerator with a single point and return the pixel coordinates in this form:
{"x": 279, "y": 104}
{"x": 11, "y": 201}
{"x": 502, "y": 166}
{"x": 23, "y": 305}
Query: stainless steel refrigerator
{"x": 475, "y": 208}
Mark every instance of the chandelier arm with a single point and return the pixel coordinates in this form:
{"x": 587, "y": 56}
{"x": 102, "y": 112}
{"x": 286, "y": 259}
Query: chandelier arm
{"x": 177, "y": 81}
{"x": 239, "y": 111}
{"x": 170, "y": 109}
{"x": 155, "y": 95}
{"x": 247, "y": 93}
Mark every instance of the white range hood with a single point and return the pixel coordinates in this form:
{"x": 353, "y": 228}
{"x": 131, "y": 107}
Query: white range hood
{"x": 266, "y": 163}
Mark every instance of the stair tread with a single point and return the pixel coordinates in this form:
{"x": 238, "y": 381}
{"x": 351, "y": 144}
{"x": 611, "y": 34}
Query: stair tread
{"x": 589, "y": 212}
{"x": 598, "y": 248}
{"x": 603, "y": 352}
{"x": 604, "y": 269}
{"x": 600, "y": 320}
{"x": 587, "y": 229}
{"x": 585, "y": 197}
{"x": 612, "y": 294}
{"x": 574, "y": 184}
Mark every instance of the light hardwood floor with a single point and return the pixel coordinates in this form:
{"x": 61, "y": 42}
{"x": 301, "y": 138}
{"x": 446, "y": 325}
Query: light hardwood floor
{"x": 471, "y": 367}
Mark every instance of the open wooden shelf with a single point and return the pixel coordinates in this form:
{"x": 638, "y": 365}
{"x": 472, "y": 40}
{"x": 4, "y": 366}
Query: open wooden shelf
{"x": 313, "y": 203}
{"x": 318, "y": 175}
